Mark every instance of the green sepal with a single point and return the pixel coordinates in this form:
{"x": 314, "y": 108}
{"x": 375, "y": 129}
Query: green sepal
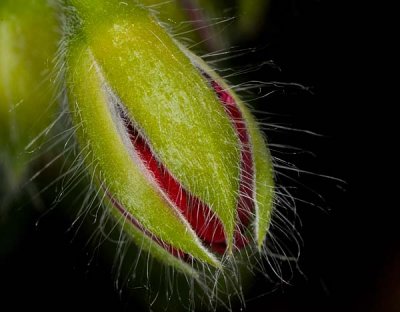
{"x": 264, "y": 183}
{"x": 111, "y": 161}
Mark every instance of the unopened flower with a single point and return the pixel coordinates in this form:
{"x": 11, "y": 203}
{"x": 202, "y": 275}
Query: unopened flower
{"x": 178, "y": 155}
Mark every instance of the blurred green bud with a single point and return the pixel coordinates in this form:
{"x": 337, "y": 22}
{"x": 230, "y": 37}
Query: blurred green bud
{"x": 29, "y": 36}
{"x": 251, "y": 15}
{"x": 180, "y": 158}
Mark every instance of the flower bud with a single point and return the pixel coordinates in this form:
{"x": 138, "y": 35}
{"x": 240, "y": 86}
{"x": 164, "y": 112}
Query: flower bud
{"x": 177, "y": 154}
{"x": 28, "y": 43}
{"x": 251, "y": 16}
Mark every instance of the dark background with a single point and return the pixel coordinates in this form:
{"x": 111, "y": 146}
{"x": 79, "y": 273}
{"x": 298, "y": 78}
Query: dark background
{"x": 350, "y": 259}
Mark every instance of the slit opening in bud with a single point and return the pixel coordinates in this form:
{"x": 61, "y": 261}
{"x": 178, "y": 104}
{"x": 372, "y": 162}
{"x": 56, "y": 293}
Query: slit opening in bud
{"x": 202, "y": 219}
{"x": 245, "y": 205}
{"x": 170, "y": 249}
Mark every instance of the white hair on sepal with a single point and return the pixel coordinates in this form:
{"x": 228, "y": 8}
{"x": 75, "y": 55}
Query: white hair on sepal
{"x": 55, "y": 139}
{"x": 283, "y": 243}
{"x": 208, "y": 29}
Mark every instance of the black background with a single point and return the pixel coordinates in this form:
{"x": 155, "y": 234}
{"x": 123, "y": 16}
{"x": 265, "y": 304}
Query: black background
{"x": 350, "y": 257}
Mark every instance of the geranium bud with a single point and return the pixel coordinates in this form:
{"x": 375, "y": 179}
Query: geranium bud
{"x": 251, "y": 16}
{"x": 177, "y": 154}
{"x": 29, "y": 36}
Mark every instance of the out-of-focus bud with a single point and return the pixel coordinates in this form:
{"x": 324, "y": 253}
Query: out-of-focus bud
{"x": 251, "y": 15}
{"x": 180, "y": 158}
{"x": 28, "y": 42}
